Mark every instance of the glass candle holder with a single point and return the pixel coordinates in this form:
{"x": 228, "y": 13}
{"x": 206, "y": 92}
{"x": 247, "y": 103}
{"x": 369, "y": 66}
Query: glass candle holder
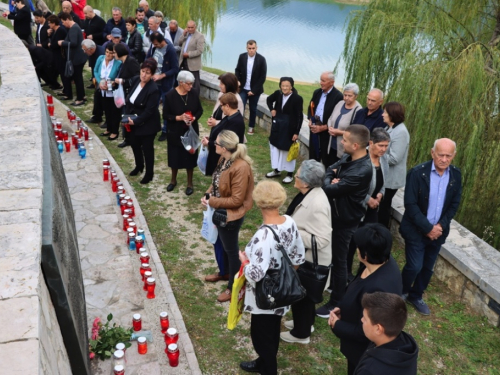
{"x": 119, "y": 185}
{"x": 130, "y": 233}
{"x": 130, "y": 206}
{"x": 68, "y": 113}
{"x": 138, "y": 244}
{"x": 67, "y": 144}
{"x": 50, "y": 108}
{"x": 119, "y": 358}
{"x": 131, "y": 241}
{"x": 144, "y": 257}
{"x": 73, "y": 115}
{"x": 134, "y": 227}
{"x": 128, "y": 199}
{"x": 151, "y": 288}
{"x": 86, "y": 132}
{"x": 140, "y": 232}
{"x": 113, "y": 184}
{"x": 124, "y": 226}
{"x": 112, "y": 175}
{"x": 119, "y": 370}
{"x": 60, "y": 146}
{"x": 147, "y": 275}
{"x": 144, "y": 267}
{"x": 123, "y": 205}
{"x": 121, "y": 346}
{"x": 82, "y": 152}
{"x": 164, "y": 322}
{"x": 137, "y": 322}
{"x": 142, "y": 345}
{"x": 91, "y": 143}
{"x": 171, "y": 337}
{"x": 105, "y": 162}
{"x": 50, "y": 100}
{"x": 173, "y": 355}
{"x": 105, "y": 173}
{"x": 80, "y": 144}
{"x": 65, "y": 135}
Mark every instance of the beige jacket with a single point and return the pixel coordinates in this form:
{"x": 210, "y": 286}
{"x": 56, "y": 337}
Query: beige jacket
{"x": 312, "y": 216}
{"x": 194, "y": 49}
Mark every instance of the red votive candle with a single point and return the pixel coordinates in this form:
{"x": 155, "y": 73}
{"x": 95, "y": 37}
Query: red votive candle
{"x": 67, "y": 144}
{"x": 73, "y": 116}
{"x": 137, "y": 322}
{"x": 86, "y": 131}
{"x": 130, "y": 206}
{"x": 139, "y": 242}
{"x": 114, "y": 181}
{"x": 118, "y": 370}
{"x": 50, "y": 100}
{"x": 147, "y": 275}
{"x": 171, "y": 337}
{"x": 164, "y": 323}
{"x": 68, "y": 113}
{"x": 144, "y": 267}
{"x": 144, "y": 257}
{"x": 65, "y": 135}
{"x": 151, "y": 288}
{"x": 134, "y": 227}
{"x": 173, "y": 355}
{"x": 125, "y": 217}
{"x": 142, "y": 345}
{"x": 105, "y": 162}
{"x": 50, "y": 107}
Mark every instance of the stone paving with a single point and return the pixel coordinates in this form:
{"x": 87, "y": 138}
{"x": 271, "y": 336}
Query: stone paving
{"x": 111, "y": 271}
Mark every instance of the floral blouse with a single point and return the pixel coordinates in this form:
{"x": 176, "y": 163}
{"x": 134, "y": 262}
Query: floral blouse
{"x": 263, "y": 253}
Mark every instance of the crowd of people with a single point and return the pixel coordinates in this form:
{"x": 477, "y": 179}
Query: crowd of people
{"x": 357, "y": 162}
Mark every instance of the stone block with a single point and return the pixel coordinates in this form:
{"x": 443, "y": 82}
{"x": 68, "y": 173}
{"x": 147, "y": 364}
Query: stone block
{"x": 21, "y": 199}
{"x": 478, "y": 301}
{"x": 20, "y": 357}
{"x": 20, "y": 318}
{"x": 448, "y": 274}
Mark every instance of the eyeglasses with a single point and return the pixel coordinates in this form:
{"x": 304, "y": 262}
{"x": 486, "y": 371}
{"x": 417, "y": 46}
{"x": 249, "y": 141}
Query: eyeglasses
{"x": 188, "y": 83}
{"x": 218, "y": 144}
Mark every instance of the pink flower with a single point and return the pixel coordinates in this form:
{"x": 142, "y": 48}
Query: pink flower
{"x": 94, "y": 335}
{"x": 92, "y": 355}
{"x": 97, "y": 322}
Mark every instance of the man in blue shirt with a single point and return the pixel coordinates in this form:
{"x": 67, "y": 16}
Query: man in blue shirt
{"x": 432, "y": 196}
{"x": 371, "y": 115}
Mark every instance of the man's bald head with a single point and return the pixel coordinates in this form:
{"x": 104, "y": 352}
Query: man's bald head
{"x": 66, "y": 7}
{"x": 191, "y": 27}
{"x": 442, "y": 153}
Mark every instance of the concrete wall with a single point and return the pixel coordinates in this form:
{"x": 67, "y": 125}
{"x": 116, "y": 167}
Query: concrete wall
{"x": 31, "y": 341}
{"x": 466, "y": 264}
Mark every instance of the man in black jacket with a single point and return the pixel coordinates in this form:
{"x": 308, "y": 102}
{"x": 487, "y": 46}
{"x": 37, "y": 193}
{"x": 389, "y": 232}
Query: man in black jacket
{"x": 68, "y": 8}
{"x": 43, "y": 61}
{"x": 319, "y": 111}
{"x": 432, "y": 196}
{"x": 42, "y": 38}
{"x": 116, "y": 21}
{"x": 93, "y": 26}
{"x": 391, "y": 351}
{"x": 346, "y": 184}
{"x": 251, "y": 72}
{"x": 22, "y": 21}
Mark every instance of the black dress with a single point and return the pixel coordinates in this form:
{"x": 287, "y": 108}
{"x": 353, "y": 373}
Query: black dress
{"x": 176, "y": 105}
{"x": 234, "y": 123}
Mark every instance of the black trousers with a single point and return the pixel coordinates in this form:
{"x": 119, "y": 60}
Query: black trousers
{"x": 229, "y": 239}
{"x": 304, "y": 313}
{"x": 97, "y": 110}
{"x": 385, "y": 207}
{"x": 144, "y": 151}
{"x": 113, "y": 114}
{"x": 78, "y": 79}
{"x": 265, "y": 333}
{"x": 47, "y": 73}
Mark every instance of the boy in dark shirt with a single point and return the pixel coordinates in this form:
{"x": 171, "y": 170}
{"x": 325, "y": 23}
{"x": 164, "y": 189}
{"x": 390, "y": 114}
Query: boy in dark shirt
{"x": 391, "y": 350}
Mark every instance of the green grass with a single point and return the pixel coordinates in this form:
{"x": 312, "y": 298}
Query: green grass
{"x": 271, "y": 85}
{"x": 452, "y": 340}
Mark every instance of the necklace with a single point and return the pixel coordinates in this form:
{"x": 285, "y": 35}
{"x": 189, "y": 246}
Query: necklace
{"x": 183, "y": 96}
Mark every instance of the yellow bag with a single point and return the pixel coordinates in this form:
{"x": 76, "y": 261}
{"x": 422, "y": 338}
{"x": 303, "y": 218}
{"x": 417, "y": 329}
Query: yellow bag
{"x": 237, "y": 300}
{"x": 293, "y": 153}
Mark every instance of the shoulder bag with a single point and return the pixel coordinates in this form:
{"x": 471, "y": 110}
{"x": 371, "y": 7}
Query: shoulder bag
{"x": 69, "y": 70}
{"x": 314, "y": 276}
{"x": 279, "y": 287}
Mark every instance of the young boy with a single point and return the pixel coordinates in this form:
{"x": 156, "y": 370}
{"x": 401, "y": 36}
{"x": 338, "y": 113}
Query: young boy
{"x": 391, "y": 350}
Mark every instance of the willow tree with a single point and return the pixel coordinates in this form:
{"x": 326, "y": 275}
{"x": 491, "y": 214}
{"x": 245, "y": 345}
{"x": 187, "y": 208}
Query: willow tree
{"x": 439, "y": 58}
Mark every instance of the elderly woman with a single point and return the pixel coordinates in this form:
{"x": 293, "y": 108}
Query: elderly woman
{"x": 143, "y": 102}
{"x": 379, "y": 272}
{"x": 260, "y": 255}
{"x": 379, "y": 142}
{"x": 182, "y": 109}
{"x": 231, "y": 189}
{"x": 106, "y": 69}
{"x": 163, "y": 24}
{"x": 134, "y": 39}
{"x": 231, "y": 120}
{"x": 397, "y": 153}
{"x": 228, "y": 84}
{"x": 342, "y": 116}
{"x": 311, "y": 211}
{"x": 287, "y": 117}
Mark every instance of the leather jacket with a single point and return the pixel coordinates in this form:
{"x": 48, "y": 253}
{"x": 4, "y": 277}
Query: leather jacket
{"x": 348, "y": 195}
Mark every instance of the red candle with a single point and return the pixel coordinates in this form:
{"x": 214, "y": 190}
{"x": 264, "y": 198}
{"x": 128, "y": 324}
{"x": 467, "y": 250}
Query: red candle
{"x": 151, "y": 288}
{"x": 86, "y": 131}
{"x": 171, "y": 337}
{"x": 164, "y": 323}
{"x": 137, "y": 322}
{"x": 68, "y": 113}
{"x": 142, "y": 345}
{"x": 114, "y": 181}
{"x": 50, "y": 107}
{"x": 173, "y": 355}
{"x": 144, "y": 257}
{"x": 144, "y": 267}
{"x": 130, "y": 206}
{"x": 118, "y": 370}
{"x": 139, "y": 242}
{"x": 125, "y": 217}
{"x": 134, "y": 227}
{"x": 50, "y": 100}
{"x": 128, "y": 199}
{"x": 73, "y": 116}
{"x": 105, "y": 174}
{"x": 105, "y": 162}
{"x": 67, "y": 144}
{"x": 147, "y": 275}
{"x": 65, "y": 135}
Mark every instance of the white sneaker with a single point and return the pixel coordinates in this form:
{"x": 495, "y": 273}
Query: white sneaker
{"x": 250, "y": 131}
{"x": 287, "y": 179}
{"x": 289, "y": 324}
{"x": 273, "y": 174}
{"x": 287, "y": 336}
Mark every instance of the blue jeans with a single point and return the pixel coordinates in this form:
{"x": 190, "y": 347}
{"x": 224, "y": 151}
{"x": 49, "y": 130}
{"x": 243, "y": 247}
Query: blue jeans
{"x": 252, "y": 103}
{"x": 417, "y": 272}
{"x": 221, "y": 257}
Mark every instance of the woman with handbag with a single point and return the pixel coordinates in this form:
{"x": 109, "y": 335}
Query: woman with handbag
{"x": 287, "y": 117}
{"x": 379, "y": 272}
{"x": 231, "y": 196}
{"x": 261, "y": 255}
{"x": 311, "y": 211}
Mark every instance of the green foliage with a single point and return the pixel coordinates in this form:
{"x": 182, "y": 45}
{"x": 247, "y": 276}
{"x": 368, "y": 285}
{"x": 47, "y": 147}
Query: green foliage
{"x": 440, "y": 59}
{"x": 107, "y": 337}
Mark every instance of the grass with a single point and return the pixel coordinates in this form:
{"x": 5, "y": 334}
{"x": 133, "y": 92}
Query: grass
{"x": 452, "y": 340}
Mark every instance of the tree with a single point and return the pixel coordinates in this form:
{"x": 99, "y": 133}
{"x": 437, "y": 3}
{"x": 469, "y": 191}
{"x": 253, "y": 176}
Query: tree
{"x": 439, "y": 58}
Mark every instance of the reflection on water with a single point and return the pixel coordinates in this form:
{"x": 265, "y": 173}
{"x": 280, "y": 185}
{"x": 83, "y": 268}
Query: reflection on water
{"x": 299, "y": 38}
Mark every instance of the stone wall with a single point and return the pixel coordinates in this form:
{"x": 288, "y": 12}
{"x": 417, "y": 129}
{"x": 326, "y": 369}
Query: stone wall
{"x": 31, "y": 340}
{"x": 466, "y": 264}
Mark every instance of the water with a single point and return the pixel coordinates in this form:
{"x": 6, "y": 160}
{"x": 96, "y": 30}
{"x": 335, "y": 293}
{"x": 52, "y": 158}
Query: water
{"x": 298, "y": 38}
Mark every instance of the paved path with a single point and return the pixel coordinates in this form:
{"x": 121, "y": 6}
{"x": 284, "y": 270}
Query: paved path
{"x": 111, "y": 272}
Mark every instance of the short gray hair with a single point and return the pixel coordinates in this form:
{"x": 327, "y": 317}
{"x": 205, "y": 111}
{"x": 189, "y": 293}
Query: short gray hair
{"x": 173, "y": 22}
{"x": 439, "y": 139}
{"x": 379, "y": 91}
{"x": 87, "y": 43}
{"x": 352, "y": 87}
{"x": 185, "y": 76}
{"x": 312, "y": 173}
{"x": 380, "y": 135}
{"x": 330, "y": 75}
{"x": 116, "y": 9}
{"x": 159, "y": 14}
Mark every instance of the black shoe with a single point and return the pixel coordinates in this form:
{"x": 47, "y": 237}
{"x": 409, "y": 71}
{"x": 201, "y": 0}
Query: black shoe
{"x": 146, "y": 180}
{"x": 94, "y": 120}
{"x": 104, "y": 126}
{"x": 251, "y": 366}
{"x": 136, "y": 171}
{"x": 171, "y": 186}
{"x": 162, "y": 137}
{"x": 77, "y": 104}
{"x": 123, "y": 144}
{"x": 113, "y": 139}
{"x": 91, "y": 87}
{"x": 189, "y": 190}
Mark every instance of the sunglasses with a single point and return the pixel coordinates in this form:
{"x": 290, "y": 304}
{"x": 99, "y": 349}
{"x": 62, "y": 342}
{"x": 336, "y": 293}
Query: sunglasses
{"x": 218, "y": 144}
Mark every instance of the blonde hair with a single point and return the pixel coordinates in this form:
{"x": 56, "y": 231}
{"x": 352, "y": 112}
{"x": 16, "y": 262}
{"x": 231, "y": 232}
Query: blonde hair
{"x": 269, "y": 195}
{"x": 230, "y": 141}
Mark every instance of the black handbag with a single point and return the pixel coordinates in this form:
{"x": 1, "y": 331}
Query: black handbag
{"x": 279, "y": 287}
{"x": 219, "y": 218}
{"x": 69, "y": 70}
{"x": 313, "y": 276}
